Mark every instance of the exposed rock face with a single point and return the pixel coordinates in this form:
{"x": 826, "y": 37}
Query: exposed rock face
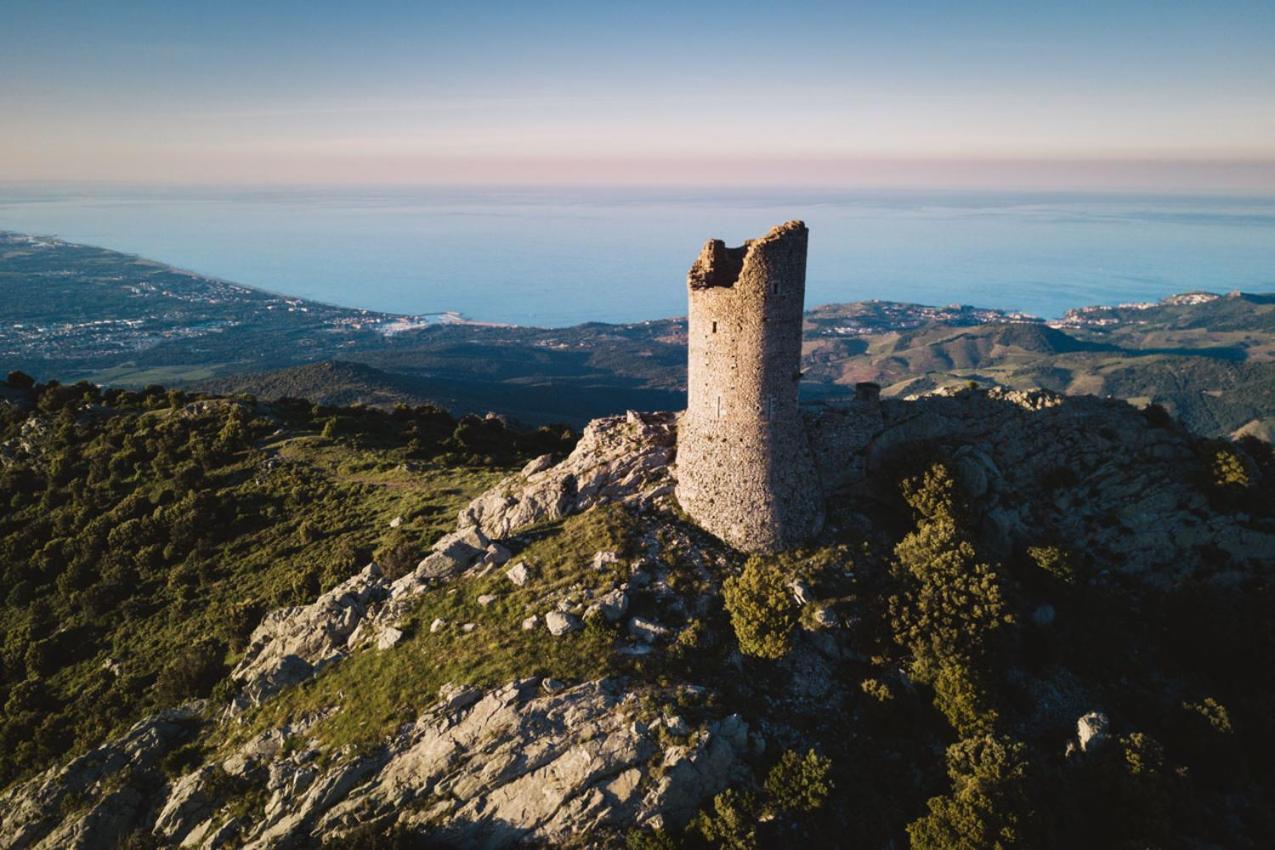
{"x": 559, "y": 623}
{"x": 109, "y": 778}
{"x": 190, "y": 802}
{"x": 1091, "y": 730}
{"x": 484, "y": 769}
{"x": 292, "y": 644}
{"x": 1093, "y": 473}
{"x": 623, "y": 459}
{"x": 517, "y": 764}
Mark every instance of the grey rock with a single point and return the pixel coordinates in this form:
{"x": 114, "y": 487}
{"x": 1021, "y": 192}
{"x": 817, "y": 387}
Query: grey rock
{"x": 389, "y": 637}
{"x": 560, "y": 623}
{"x": 825, "y": 618}
{"x": 523, "y": 765}
{"x": 30, "y": 810}
{"x": 618, "y": 459}
{"x": 647, "y": 631}
{"x": 677, "y": 725}
{"x": 291, "y": 644}
{"x": 601, "y": 560}
{"x": 613, "y": 605}
{"x": 519, "y": 574}
{"x": 496, "y": 555}
{"x": 1092, "y": 731}
{"x": 190, "y": 802}
{"x": 452, "y": 554}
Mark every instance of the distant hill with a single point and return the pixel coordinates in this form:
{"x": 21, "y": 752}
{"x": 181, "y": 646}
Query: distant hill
{"x": 344, "y": 383}
{"x": 119, "y": 320}
{"x": 330, "y": 382}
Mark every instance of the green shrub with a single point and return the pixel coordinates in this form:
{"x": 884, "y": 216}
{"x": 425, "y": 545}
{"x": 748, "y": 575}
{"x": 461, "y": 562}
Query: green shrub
{"x": 798, "y": 784}
{"x": 877, "y": 690}
{"x": 952, "y": 605}
{"x": 989, "y": 805}
{"x": 192, "y": 672}
{"x": 962, "y": 697}
{"x": 1056, "y": 562}
{"x": 732, "y": 822}
{"x": 1228, "y": 471}
{"x": 761, "y": 609}
{"x": 649, "y": 839}
{"x": 1213, "y": 714}
{"x": 398, "y": 553}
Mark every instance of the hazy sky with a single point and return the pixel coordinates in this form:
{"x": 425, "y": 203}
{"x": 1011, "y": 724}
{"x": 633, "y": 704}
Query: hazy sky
{"x": 1171, "y": 95}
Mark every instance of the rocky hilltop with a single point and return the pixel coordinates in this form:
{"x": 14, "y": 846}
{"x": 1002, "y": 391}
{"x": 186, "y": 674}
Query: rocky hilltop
{"x": 800, "y": 697}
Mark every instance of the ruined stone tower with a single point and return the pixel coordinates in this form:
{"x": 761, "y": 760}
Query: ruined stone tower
{"x": 744, "y": 468}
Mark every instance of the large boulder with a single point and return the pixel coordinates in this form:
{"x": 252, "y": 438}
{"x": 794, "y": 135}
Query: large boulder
{"x": 292, "y": 644}
{"x": 622, "y": 459}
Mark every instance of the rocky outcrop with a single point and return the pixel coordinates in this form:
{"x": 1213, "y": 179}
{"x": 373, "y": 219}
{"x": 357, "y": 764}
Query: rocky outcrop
{"x": 1094, "y": 474}
{"x": 622, "y": 459}
{"x": 105, "y": 791}
{"x": 489, "y": 769}
{"x": 292, "y": 644}
{"x": 517, "y": 764}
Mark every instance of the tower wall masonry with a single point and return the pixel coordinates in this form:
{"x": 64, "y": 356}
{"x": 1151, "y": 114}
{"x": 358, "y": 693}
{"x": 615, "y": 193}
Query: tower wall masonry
{"x": 744, "y": 467}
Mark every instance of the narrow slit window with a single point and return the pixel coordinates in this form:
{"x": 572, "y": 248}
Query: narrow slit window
{"x": 714, "y": 327}
{"x": 770, "y": 407}
{"x": 719, "y": 407}
{"x": 774, "y": 287}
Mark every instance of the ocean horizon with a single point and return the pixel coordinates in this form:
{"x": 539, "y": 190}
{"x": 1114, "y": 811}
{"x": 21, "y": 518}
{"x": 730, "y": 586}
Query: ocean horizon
{"x": 557, "y": 256}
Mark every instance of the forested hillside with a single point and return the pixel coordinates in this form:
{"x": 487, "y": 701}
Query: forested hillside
{"x": 146, "y": 533}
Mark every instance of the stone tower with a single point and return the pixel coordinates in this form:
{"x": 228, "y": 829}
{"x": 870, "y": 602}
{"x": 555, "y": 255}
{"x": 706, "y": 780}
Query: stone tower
{"x": 744, "y": 468}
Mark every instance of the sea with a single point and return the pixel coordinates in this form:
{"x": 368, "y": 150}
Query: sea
{"x": 558, "y": 256}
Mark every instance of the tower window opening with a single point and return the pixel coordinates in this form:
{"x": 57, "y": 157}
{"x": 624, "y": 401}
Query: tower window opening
{"x": 719, "y": 407}
{"x": 774, "y": 287}
{"x": 770, "y": 407}
{"x": 714, "y": 327}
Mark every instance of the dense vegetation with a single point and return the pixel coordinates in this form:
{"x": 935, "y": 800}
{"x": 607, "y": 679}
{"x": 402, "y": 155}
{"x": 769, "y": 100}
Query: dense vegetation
{"x": 979, "y": 657}
{"x": 144, "y": 534}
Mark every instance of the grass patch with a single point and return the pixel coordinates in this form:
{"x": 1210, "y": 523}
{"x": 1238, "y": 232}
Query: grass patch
{"x": 375, "y": 691}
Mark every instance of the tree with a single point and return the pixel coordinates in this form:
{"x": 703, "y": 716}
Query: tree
{"x": 192, "y": 672}
{"x": 732, "y": 824}
{"x": 952, "y": 604}
{"x": 762, "y": 612}
{"x": 989, "y": 804}
{"x": 799, "y": 784}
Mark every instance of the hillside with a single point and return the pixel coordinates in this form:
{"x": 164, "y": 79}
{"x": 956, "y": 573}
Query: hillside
{"x": 406, "y": 630}
{"x": 123, "y": 321}
{"x": 1213, "y": 389}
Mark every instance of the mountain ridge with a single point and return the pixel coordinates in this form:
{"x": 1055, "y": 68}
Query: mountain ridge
{"x": 159, "y": 325}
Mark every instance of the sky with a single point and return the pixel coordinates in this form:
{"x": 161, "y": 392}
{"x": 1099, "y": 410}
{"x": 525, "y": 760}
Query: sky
{"x": 1122, "y": 95}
